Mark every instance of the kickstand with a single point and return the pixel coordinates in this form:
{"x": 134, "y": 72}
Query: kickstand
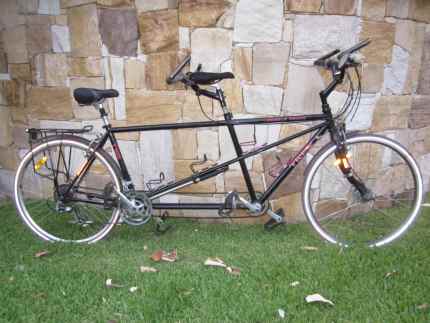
{"x": 162, "y": 227}
{"x": 276, "y": 218}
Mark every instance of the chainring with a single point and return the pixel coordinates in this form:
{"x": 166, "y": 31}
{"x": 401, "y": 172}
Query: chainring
{"x": 140, "y": 214}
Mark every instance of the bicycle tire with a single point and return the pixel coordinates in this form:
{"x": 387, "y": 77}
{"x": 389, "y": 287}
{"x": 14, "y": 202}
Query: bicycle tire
{"x": 395, "y": 182}
{"x": 34, "y": 192}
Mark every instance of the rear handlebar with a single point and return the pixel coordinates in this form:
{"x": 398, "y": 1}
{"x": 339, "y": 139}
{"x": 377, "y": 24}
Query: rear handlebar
{"x": 175, "y": 73}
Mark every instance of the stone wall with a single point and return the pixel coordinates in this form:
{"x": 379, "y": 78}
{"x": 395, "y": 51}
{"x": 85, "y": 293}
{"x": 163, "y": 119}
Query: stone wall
{"x": 50, "y": 47}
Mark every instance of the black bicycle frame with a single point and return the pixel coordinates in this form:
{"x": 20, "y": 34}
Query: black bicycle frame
{"x": 327, "y": 123}
{"x": 230, "y": 123}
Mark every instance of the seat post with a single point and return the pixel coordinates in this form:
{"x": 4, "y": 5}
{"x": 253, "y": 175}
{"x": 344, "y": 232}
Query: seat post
{"x": 99, "y": 106}
{"x": 220, "y": 94}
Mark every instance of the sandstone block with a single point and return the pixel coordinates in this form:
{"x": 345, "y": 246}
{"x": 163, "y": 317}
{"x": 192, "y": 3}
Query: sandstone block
{"x": 60, "y": 39}
{"x": 242, "y": 63}
{"x": 211, "y": 47}
{"x": 227, "y": 19}
{"x": 269, "y": 63}
{"x": 85, "y": 112}
{"x": 364, "y": 116}
{"x": 373, "y": 9}
{"x": 27, "y": 6}
{"x": 391, "y": 112}
{"x": 157, "y": 155}
{"x": 135, "y": 74}
{"x": 116, "y": 65}
{"x": 131, "y": 153}
{"x": 10, "y": 14}
{"x": 301, "y": 99}
{"x": 51, "y": 70}
{"x": 152, "y": 107}
{"x": 185, "y": 144}
{"x": 7, "y": 178}
{"x": 9, "y": 158}
{"x": 19, "y": 135}
{"x": 397, "y": 8}
{"x": 52, "y": 103}
{"x": 340, "y": 7}
{"x": 84, "y": 31}
{"x": 208, "y": 144}
{"x": 201, "y": 13}
{"x": 159, "y": 31}
{"x": 258, "y": 21}
{"x": 292, "y": 206}
{"x": 184, "y": 38}
{"x": 39, "y": 39}
{"x": 227, "y": 151}
{"x": 289, "y": 130}
{"x": 372, "y": 78}
{"x": 9, "y": 93}
{"x": 315, "y": 35}
{"x": 420, "y": 10}
{"x": 118, "y": 29}
{"x": 49, "y": 7}
{"x": 382, "y": 35}
{"x": 15, "y": 43}
{"x": 88, "y": 66}
{"x": 233, "y": 94}
{"x": 152, "y": 5}
{"x": 396, "y": 72}
{"x": 420, "y": 113}
{"x": 157, "y": 68}
{"x": 304, "y": 5}
{"x": 191, "y": 110}
{"x": 20, "y": 72}
{"x": 5, "y": 127}
{"x": 424, "y": 74}
{"x": 261, "y": 99}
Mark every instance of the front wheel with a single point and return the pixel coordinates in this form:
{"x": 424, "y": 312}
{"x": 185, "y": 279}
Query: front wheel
{"x": 369, "y": 195}
{"x": 84, "y": 215}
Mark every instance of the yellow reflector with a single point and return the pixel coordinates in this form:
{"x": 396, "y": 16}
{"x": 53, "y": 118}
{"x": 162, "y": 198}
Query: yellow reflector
{"x": 337, "y": 162}
{"x": 40, "y": 163}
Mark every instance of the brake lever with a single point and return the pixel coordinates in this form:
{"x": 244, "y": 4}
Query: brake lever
{"x": 199, "y": 68}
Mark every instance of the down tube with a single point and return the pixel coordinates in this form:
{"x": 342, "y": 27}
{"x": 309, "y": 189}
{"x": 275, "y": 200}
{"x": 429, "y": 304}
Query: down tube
{"x": 292, "y": 163}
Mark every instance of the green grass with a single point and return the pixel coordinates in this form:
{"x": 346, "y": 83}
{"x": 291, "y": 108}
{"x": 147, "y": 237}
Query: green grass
{"x": 68, "y": 285}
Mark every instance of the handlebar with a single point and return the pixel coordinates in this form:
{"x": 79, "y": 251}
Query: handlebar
{"x": 341, "y": 58}
{"x": 175, "y": 73}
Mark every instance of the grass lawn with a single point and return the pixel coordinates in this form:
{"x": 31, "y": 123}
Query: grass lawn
{"x": 68, "y": 285}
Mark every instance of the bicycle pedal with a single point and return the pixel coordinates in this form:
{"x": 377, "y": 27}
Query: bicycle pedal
{"x": 162, "y": 228}
{"x": 274, "y": 221}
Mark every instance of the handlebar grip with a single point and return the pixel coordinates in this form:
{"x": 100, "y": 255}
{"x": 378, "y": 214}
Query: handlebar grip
{"x": 178, "y": 69}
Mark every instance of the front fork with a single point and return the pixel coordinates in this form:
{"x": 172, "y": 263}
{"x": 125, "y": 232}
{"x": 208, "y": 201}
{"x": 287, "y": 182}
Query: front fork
{"x": 342, "y": 161}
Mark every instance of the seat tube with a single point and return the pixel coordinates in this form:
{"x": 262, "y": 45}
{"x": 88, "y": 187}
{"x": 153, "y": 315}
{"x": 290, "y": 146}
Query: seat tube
{"x": 239, "y": 152}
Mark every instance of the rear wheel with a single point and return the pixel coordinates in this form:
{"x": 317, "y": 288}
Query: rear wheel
{"x": 372, "y": 204}
{"x": 88, "y": 212}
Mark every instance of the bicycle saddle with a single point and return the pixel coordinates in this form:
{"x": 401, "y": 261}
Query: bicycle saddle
{"x": 88, "y": 96}
{"x": 206, "y": 78}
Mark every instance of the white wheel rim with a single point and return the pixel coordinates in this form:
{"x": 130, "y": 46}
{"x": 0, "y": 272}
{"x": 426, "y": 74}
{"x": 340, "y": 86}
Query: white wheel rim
{"x": 376, "y": 139}
{"x": 22, "y": 210}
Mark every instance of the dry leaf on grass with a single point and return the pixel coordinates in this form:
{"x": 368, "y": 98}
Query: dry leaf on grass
{"x": 215, "y": 262}
{"x": 233, "y": 270}
{"x": 133, "y": 289}
{"x": 109, "y": 284}
{"x": 318, "y": 298}
{"x": 42, "y": 253}
{"x": 295, "y": 283}
{"x": 309, "y": 248}
{"x": 281, "y": 313}
{"x": 165, "y": 256}
{"x": 145, "y": 247}
{"x": 145, "y": 269}
{"x": 391, "y": 273}
{"x": 423, "y": 306}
